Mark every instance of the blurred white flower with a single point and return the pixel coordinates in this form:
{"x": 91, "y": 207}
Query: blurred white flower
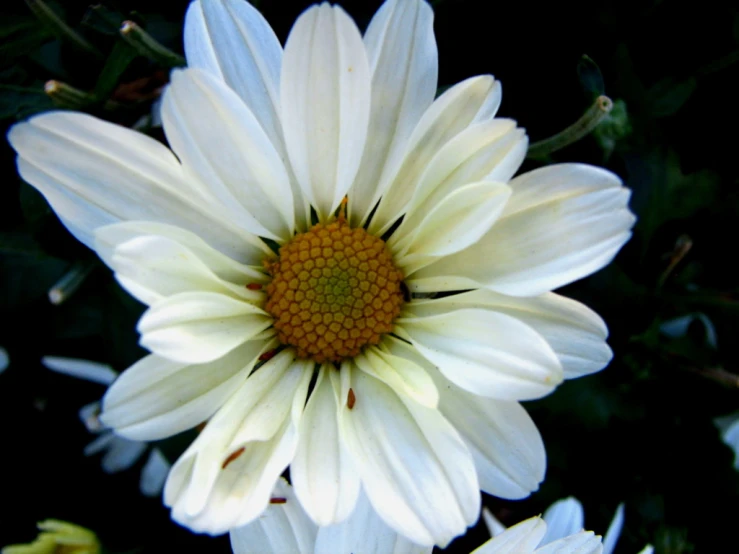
{"x": 678, "y": 327}
{"x": 729, "y": 427}
{"x": 4, "y": 360}
{"x": 119, "y": 453}
{"x": 285, "y": 527}
{"x": 564, "y": 518}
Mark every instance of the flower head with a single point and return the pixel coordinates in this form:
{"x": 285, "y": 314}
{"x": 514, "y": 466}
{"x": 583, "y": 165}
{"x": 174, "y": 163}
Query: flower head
{"x": 342, "y": 275}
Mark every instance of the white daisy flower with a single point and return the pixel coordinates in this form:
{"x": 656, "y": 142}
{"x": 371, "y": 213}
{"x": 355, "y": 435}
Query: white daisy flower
{"x": 327, "y": 352}
{"x": 285, "y": 527}
{"x": 119, "y": 453}
{"x": 564, "y": 518}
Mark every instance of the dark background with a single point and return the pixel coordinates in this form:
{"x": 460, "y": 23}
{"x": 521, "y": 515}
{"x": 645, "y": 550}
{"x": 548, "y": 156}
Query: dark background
{"x": 640, "y": 432}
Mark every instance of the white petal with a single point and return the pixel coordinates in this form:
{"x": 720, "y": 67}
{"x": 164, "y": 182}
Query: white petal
{"x": 364, "y": 533}
{"x": 225, "y": 478}
{"x": 230, "y": 39}
{"x": 487, "y": 151}
{"x": 404, "y": 64}
{"x": 199, "y": 327}
{"x": 562, "y": 223}
{"x": 565, "y": 517}
{"x": 325, "y": 101}
{"x": 494, "y": 526}
{"x": 575, "y": 332}
{"x": 466, "y": 103}
{"x": 219, "y": 139}
{"x": 156, "y": 398}
{"x": 614, "y": 530}
{"x": 456, "y": 222}
{"x": 402, "y": 375}
{"x": 154, "y": 473}
{"x": 505, "y": 443}
{"x": 82, "y": 369}
{"x": 283, "y": 527}
{"x": 521, "y": 538}
{"x": 486, "y": 353}
{"x": 122, "y": 454}
{"x": 108, "y": 238}
{"x": 4, "y": 359}
{"x": 649, "y": 549}
{"x": 323, "y": 474}
{"x": 415, "y": 469}
{"x": 95, "y": 173}
{"x": 584, "y": 542}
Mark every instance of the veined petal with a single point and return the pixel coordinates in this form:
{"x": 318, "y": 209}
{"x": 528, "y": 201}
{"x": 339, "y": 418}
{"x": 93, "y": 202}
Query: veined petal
{"x": 199, "y": 327}
{"x": 325, "y": 103}
{"x": 218, "y": 138}
{"x": 323, "y": 474}
{"x": 364, "y": 533}
{"x": 111, "y": 236}
{"x": 521, "y": 538}
{"x": 575, "y": 332}
{"x": 466, "y": 103}
{"x": 152, "y": 268}
{"x": 415, "y": 469}
{"x": 505, "y": 443}
{"x": 231, "y": 40}
{"x": 283, "y": 527}
{"x": 404, "y": 64}
{"x": 486, "y": 353}
{"x": 95, "y": 173}
{"x": 562, "y": 223}
{"x": 487, "y": 151}
{"x": 225, "y": 477}
{"x": 456, "y": 222}
{"x": 564, "y": 518}
{"x": 156, "y": 398}
{"x": 402, "y": 375}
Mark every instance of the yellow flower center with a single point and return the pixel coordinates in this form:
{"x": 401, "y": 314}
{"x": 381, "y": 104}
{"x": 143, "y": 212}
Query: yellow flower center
{"x": 334, "y": 290}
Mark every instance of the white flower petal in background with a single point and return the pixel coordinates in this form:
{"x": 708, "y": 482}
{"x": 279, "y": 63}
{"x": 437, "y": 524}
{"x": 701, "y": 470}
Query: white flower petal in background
{"x": 678, "y": 327}
{"x": 4, "y": 359}
{"x": 563, "y": 518}
{"x": 729, "y": 427}
{"x": 119, "y": 453}
{"x": 527, "y": 538}
{"x": 325, "y": 104}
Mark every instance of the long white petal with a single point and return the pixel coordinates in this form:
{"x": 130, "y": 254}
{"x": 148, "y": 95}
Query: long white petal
{"x": 95, "y": 173}
{"x": 364, "y": 533}
{"x": 225, "y": 478}
{"x": 199, "y": 327}
{"x": 584, "y": 542}
{"x": 325, "y": 104}
{"x": 218, "y": 138}
{"x": 404, "y": 64}
{"x": 466, "y": 103}
{"x": 283, "y": 527}
{"x": 575, "y": 332}
{"x": 415, "y": 469}
{"x": 487, "y": 353}
{"x": 614, "y": 530}
{"x": 154, "y": 473}
{"x": 231, "y": 40}
{"x": 156, "y": 398}
{"x": 562, "y": 223}
{"x": 323, "y": 474}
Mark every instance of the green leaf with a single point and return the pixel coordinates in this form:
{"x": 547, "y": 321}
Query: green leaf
{"x": 19, "y": 35}
{"x": 20, "y": 243}
{"x": 118, "y": 61}
{"x": 19, "y": 102}
{"x": 668, "y": 96}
